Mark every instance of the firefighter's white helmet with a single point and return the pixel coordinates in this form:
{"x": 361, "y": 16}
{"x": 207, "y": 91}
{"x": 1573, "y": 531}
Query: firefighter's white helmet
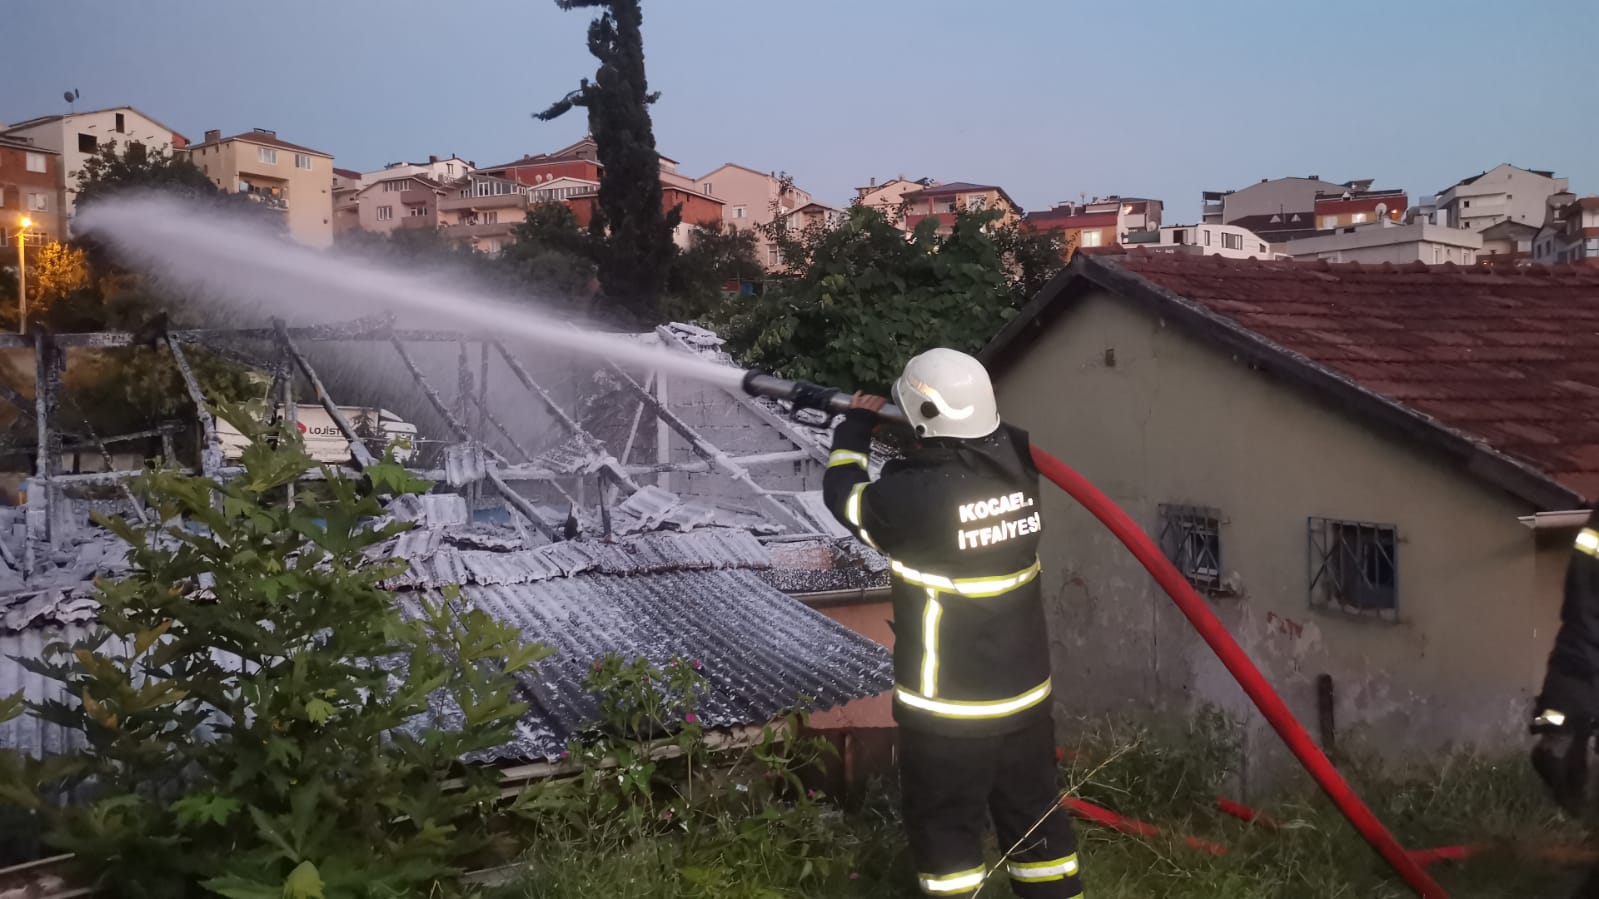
{"x": 946, "y": 393}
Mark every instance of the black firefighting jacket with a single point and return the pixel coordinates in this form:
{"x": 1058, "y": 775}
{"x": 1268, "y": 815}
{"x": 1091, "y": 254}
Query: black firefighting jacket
{"x": 960, "y": 520}
{"x": 1571, "y": 686}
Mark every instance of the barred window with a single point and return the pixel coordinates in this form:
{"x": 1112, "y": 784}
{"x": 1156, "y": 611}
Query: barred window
{"x": 1354, "y": 567}
{"x": 1190, "y": 536}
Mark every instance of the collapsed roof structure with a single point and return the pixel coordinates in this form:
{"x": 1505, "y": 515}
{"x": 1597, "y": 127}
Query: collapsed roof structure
{"x": 704, "y": 553}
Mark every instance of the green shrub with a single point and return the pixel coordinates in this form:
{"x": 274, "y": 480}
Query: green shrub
{"x": 254, "y": 716}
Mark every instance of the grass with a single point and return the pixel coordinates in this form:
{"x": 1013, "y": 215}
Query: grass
{"x": 1168, "y": 779}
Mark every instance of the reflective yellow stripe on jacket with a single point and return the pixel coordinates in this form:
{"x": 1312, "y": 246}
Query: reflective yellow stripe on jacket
{"x": 1588, "y": 542}
{"x": 974, "y": 711}
{"x": 968, "y": 586}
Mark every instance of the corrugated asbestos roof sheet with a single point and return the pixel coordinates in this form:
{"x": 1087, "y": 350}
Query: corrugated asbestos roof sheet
{"x": 761, "y": 652}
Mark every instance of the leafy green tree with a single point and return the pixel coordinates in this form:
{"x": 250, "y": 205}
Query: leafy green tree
{"x": 632, "y": 232}
{"x": 111, "y": 170}
{"x": 254, "y": 717}
{"x": 716, "y": 255}
{"x": 861, "y": 299}
{"x": 550, "y": 255}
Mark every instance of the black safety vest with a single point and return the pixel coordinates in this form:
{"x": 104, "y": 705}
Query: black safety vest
{"x": 960, "y": 522}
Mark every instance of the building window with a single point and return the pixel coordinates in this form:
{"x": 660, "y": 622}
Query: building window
{"x": 88, "y": 143}
{"x": 1328, "y": 222}
{"x": 39, "y": 202}
{"x": 1190, "y": 536}
{"x": 1207, "y": 237}
{"x": 1359, "y": 218}
{"x": 708, "y": 188}
{"x": 738, "y": 212}
{"x": 415, "y": 212}
{"x": 976, "y": 202}
{"x": 1263, "y": 248}
{"x": 449, "y": 169}
{"x": 774, "y": 256}
{"x": 1232, "y": 241}
{"x": 267, "y": 155}
{"x": 37, "y": 162}
{"x": 951, "y": 205}
{"x": 1437, "y": 254}
{"x": 302, "y": 161}
{"x": 1091, "y": 238}
{"x": 1354, "y": 567}
{"x": 121, "y": 124}
{"x": 385, "y": 213}
{"x": 491, "y": 217}
{"x": 1465, "y": 204}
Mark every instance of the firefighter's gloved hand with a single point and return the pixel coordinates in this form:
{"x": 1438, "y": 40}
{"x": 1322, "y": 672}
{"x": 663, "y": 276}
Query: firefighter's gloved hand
{"x": 1561, "y": 760}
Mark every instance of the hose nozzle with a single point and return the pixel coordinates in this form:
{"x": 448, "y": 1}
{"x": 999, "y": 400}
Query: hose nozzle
{"x": 805, "y": 395}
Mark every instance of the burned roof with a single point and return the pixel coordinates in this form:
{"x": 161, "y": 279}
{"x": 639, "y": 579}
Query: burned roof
{"x": 1494, "y": 368}
{"x": 701, "y": 568}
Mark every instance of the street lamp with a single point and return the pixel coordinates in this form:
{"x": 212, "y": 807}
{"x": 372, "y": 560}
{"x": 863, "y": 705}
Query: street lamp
{"x": 22, "y": 274}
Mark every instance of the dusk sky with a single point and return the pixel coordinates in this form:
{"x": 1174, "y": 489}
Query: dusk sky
{"x": 1050, "y": 100}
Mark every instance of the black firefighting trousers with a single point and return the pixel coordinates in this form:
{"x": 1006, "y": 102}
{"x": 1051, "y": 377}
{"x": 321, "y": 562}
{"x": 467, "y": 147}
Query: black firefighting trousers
{"x": 948, "y": 783}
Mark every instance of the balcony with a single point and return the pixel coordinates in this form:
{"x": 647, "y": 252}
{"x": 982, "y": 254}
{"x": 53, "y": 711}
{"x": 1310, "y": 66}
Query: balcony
{"x": 424, "y": 222}
{"x": 416, "y": 197}
{"x": 502, "y": 201}
{"x": 480, "y": 230}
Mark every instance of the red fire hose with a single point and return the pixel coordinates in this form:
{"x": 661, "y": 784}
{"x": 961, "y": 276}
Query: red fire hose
{"x": 1242, "y": 670}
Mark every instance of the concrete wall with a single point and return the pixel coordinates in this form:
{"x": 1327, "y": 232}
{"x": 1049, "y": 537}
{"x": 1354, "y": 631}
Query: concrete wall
{"x": 1276, "y": 195}
{"x": 1229, "y": 241}
{"x": 1503, "y": 192}
{"x": 1174, "y": 421}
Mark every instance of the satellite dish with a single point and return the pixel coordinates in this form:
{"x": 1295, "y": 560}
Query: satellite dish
{"x": 1382, "y": 210}
{"x": 71, "y": 97}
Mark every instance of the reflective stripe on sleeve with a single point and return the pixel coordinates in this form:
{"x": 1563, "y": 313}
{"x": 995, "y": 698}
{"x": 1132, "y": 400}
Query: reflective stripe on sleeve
{"x": 1588, "y": 542}
{"x": 930, "y": 617}
{"x": 996, "y": 708}
{"x": 1038, "y": 872}
{"x": 968, "y": 586}
{"x": 852, "y": 506}
{"x": 846, "y": 457}
{"x": 944, "y": 884}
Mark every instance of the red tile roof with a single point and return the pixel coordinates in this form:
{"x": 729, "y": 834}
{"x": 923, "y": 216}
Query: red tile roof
{"x": 1497, "y": 367}
{"x": 351, "y": 174}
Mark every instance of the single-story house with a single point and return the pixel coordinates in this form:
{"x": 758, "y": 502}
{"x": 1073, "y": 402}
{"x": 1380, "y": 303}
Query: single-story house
{"x": 1375, "y": 473}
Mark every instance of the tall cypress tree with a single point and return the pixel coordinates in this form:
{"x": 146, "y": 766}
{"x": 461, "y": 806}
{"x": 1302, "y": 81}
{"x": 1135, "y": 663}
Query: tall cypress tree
{"x": 630, "y": 234}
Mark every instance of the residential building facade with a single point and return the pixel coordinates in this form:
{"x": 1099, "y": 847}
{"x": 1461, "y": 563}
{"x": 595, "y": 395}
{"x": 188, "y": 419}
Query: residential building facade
{"x": 1104, "y": 222}
{"x": 30, "y": 178}
{"x": 1386, "y": 241}
{"x": 1507, "y": 242}
{"x": 1504, "y": 192}
{"x": 889, "y": 197}
{"x": 1391, "y": 556}
{"x": 482, "y": 210}
{"x": 384, "y": 205}
{"x": 76, "y": 136}
{"x": 442, "y": 170}
{"x": 346, "y": 207}
{"x": 1351, "y": 207}
{"x": 1281, "y": 209}
{"x": 294, "y": 179}
{"x": 1228, "y": 241}
{"x": 943, "y": 202}
{"x": 1571, "y": 236}
{"x": 751, "y": 199}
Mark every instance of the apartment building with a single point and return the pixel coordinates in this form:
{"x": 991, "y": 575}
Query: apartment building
{"x": 1281, "y": 209}
{"x": 29, "y": 188}
{"x": 346, "y": 208}
{"x": 1571, "y": 233}
{"x": 1227, "y": 241}
{"x": 889, "y": 197}
{"x": 1389, "y": 241}
{"x": 384, "y": 205}
{"x": 1103, "y": 222}
{"x": 751, "y": 199}
{"x": 1504, "y": 192}
{"x": 482, "y": 210}
{"x": 1358, "y": 207}
{"x": 944, "y": 202}
{"x": 76, "y": 136}
{"x": 296, "y": 180}
{"x": 440, "y": 169}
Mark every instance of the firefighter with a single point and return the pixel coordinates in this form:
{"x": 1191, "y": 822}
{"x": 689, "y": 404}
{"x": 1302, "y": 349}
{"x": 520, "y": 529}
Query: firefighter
{"x": 1566, "y": 709}
{"x": 960, "y": 519}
